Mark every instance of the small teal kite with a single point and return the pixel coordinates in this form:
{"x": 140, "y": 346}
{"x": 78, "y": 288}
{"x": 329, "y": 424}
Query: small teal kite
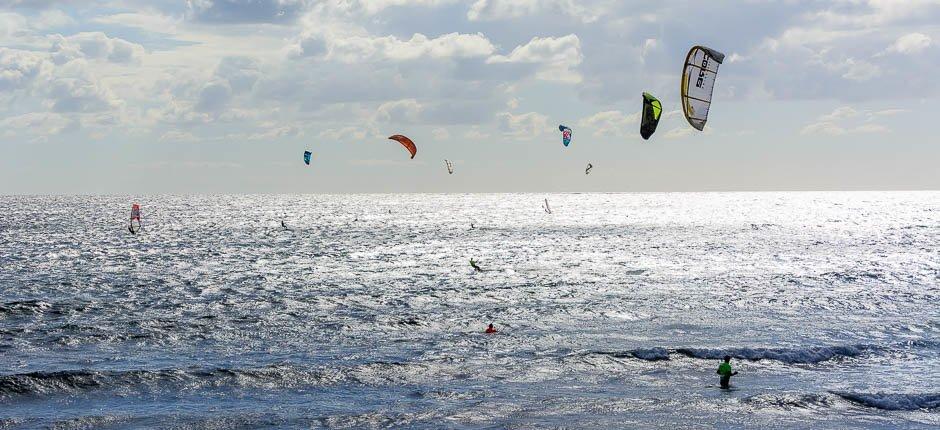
{"x": 565, "y": 134}
{"x": 307, "y": 155}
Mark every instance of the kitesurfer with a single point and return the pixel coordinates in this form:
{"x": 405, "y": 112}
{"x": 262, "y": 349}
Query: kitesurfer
{"x": 724, "y": 369}
{"x": 283, "y": 225}
{"x": 490, "y": 329}
{"x": 130, "y": 228}
{"x": 473, "y": 264}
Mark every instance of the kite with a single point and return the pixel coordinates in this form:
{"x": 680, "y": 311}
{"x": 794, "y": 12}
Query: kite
{"x": 698, "y": 82}
{"x": 565, "y": 134}
{"x": 450, "y": 167}
{"x": 407, "y": 143}
{"x": 587, "y": 171}
{"x": 307, "y": 155}
{"x": 652, "y": 110}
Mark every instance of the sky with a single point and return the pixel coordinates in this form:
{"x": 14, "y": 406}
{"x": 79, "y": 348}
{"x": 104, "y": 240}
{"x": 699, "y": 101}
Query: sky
{"x": 223, "y": 96}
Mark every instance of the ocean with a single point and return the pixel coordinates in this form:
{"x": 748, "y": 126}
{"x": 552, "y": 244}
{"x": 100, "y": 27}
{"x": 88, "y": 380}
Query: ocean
{"x": 612, "y": 311}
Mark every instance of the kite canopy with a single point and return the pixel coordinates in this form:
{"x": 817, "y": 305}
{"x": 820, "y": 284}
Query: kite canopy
{"x": 652, "y": 110}
{"x": 565, "y": 134}
{"x": 307, "y": 155}
{"x": 698, "y": 82}
{"x": 450, "y": 166}
{"x": 407, "y": 143}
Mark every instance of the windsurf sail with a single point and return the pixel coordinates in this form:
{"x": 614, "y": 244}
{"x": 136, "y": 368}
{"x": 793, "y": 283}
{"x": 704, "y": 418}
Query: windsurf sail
{"x": 698, "y": 82}
{"x": 652, "y": 110}
{"x": 407, "y": 143}
{"x": 565, "y": 135}
{"x": 135, "y": 216}
{"x": 307, "y": 155}
{"x": 450, "y": 167}
{"x": 547, "y": 208}
{"x": 588, "y": 169}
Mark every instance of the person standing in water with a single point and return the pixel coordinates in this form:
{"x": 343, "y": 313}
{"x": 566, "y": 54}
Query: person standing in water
{"x": 724, "y": 369}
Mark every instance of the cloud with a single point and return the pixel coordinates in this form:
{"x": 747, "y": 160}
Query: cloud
{"x": 77, "y": 94}
{"x": 399, "y": 111}
{"x": 146, "y": 20}
{"x": 440, "y": 133}
{"x": 245, "y": 11}
{"x": 526, "y": 126}
{"x": 356, "y": 49}
{"x": 214, "y": 96}
{"x": 847, "y": 120}
{"x": 18, "y": 68}
{"x": 556, "y": 56}
{"x": 36, "y": 123}
{"x": 490, "y": 10}
{"x": 912, "y": 43}
{"x": 94, "y": 46}
{"x": 681, "y": 132}
{"x": 611, "y": 123}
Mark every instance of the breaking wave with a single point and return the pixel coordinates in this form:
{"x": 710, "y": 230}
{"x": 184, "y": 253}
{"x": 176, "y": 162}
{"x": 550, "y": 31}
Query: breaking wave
{"x": 893, "y": 402}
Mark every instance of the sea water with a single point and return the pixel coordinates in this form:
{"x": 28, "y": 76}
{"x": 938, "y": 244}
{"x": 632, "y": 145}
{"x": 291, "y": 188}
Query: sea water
{"x": 613, "y": 311}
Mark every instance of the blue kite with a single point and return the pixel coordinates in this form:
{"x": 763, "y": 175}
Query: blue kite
{"x": 307, "y": 155}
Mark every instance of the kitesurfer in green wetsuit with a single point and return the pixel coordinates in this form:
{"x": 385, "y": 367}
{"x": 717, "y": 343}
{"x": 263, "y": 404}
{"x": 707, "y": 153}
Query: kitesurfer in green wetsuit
{"x": 724, "y": 369}
{"x": 473, "y": 264}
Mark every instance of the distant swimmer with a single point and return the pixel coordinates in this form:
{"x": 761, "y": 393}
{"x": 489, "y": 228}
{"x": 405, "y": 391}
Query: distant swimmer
{"x": 473, "y": 264}
{"x": 724, "y": 369}
{"x": 490, "y": 329}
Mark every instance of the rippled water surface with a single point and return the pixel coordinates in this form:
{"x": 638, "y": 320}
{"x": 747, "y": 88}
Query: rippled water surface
{"x": 613, "y": 311}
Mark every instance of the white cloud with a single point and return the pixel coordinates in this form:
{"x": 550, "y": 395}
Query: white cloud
{"x": 440, "y": 133}
{"x": 526, "y": 126}
{"x": 399, "y": 111}
{"x": 355, "y": 49}
{"x": 150, "y": 21}
{"x": 840, "y": 113}
{"x": 556, "y": 56}
{"x": 36, "y": 123}
{"x": 77, "y": 94}
{"x": 681, "y": 132}
{"x": 488, "y": 10}
{"x": 846, "y": 120}
{"x": 94, "y": 46}
{"x": 611, "y": 123}
{"x": 18, "y": 68}
{"x": 214, "y": 96}
{"x": 912, "y": 43}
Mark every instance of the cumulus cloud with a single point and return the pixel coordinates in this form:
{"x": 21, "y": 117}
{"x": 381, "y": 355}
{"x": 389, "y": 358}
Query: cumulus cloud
{"x": 94, "y": 46}
{"x": 525, "y": 126}
{"x": 912, "y": 43}
{"x": 355, "y": 49}
{"x": 556, "y": 55}
{"x": 214, "y": 96}
{"x": 19, "y": 68}
{"x": 399, "y": 111}
{"x": 77, "y": 94}
{"x": 611, "y": 123}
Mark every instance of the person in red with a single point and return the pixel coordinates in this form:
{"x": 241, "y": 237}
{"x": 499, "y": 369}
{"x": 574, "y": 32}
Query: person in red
{"x": 490, "y": 329}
